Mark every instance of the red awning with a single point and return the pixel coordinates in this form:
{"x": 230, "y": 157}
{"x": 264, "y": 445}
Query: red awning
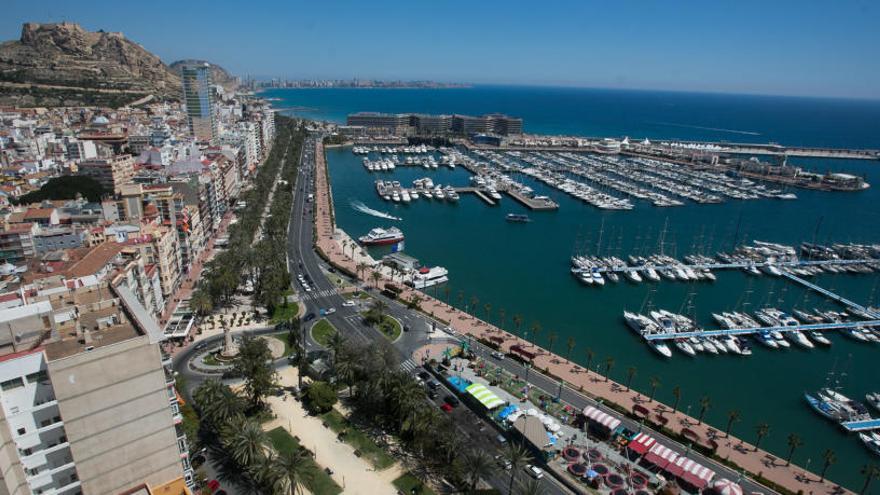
{"x": 697, "y": 475}
{"x": 641, "y": 443}
{"x": 660, "y": 456}
{"x": 521, "y": 351}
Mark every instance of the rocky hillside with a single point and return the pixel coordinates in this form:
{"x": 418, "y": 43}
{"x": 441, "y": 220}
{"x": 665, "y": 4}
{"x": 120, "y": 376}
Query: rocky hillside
{"x": 218, "y": 74}
{"x": 64, "y": 64}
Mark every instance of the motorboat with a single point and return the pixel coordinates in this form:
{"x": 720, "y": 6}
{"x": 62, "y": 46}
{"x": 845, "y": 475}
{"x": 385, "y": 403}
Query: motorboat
{"x": 644, "y": 326}
{"x": 873, "y": 398}
{"x": 871, "y": 440}
{"x": 379, "y": 236}
{"x": 428, "y": 277}
{"x": 633, "y": 276}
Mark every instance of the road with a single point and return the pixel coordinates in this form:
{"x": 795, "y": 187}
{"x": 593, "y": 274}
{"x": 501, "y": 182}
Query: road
{"x": 303, "y": 259}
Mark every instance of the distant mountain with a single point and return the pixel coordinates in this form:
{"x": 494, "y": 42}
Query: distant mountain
{"x": 218, "y": 74}
{"x": 63, "y": 64}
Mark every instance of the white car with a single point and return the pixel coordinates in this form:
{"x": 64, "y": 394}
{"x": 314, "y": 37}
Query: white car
{"x": 534, "y": 471}
{"x": 330, "y": 311}
{"x": 349, "y": 304}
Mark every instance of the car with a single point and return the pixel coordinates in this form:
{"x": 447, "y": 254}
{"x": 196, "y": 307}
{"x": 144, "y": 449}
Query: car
{"x": 498, "y": 355}
{"x": 213, "y": 485}
{"x": 307, "y": 288}
{"x": 446, "y": 407}
{"x": 349, "y": 303}
{"x": 406, "y": 328}
{"x": 434, "y": 384}
{"x": 501, "y": 439}
{"x": 330, "y": 311}
{"x": 451, "y": 400}
{"x": 433, "y": 394}
{"x": 424, "y": 375}
{"x": 534, "y": 471}
{"x": 309, "y": 317}
{"x": 503, "y": 462}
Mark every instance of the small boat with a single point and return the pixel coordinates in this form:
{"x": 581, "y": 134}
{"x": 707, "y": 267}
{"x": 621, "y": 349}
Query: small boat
{"x": 683, "y": 346}
{"x": 652, "y": 274}
{"x": 873, "y": 399}
{"x": 632, "y": 276}
{"x": 517, "y": 217}
{"x": 824, "y": 408}
{"x": 871, "y": 441}
{"x": 818, "y": 338}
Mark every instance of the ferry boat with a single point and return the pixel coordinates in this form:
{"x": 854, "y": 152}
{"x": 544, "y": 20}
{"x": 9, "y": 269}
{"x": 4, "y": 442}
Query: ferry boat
{"x": 518, "y": 217}
{"x": 380, "y": 236}
{"x": 428, "y": 277}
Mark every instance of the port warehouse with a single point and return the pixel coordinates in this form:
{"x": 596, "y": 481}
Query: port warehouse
{"x": 410, "y": 123}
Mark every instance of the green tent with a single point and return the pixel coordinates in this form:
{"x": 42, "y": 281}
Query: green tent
{"x": 484, "y": 395}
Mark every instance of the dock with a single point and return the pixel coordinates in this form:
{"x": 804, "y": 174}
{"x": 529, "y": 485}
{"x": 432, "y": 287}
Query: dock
{"x": 474, "y": 190}
{"x": 756, "y": 264}
{"x": 751, "y": 330}
{"x": 531, "y": 203}
{"x": 831, "y": 295}
{"x": 861, "y": 425}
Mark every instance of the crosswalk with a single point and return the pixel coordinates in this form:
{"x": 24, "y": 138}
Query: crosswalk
{"x": 409, "y": 365}
{"x": 315, "y": 295}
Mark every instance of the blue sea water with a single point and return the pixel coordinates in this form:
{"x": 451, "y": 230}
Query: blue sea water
{"x": 523, "y": 268}
{"x": 600, "y": 112}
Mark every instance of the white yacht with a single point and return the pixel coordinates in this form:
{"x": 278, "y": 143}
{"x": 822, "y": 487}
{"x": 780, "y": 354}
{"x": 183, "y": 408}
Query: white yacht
{"x": 428, "y": 277}
{"x": 644, "y": 327}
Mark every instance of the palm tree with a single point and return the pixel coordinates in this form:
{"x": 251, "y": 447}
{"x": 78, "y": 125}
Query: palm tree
{"x": 517, "y": 322}
{"x": 536, "y": 330}
{"x": 487, "y": 312}
{"x": 829, "y": 458}
{"x": 246, "y": 443}
{"x": 609, "y": 363}
{"x": 460, "y": 297}
{"x": 375, "y": 276}
{"x": 630, "y": 373}
{"x": 201, "y": 302}
{"x": 478, "y": 465}
{"x": 569, "y": 346}
{"x": 335, "y": 343}
{"x": 502, "y": 317}
{"x": 676, "y": 392}
{"x": 705, "y": 404}
{"x": 655, "y": 382}
{"x": 473, "y": 305}
{"x": 763, "y": 429}
{"x": 590, "y": 354}
{"x": 344, "y": 245}
{"x": 794, "y": 441}
{"x": 360, "y": 267}
{"x": 733, "y": 416}
{"x": 217, "y": 403}
{"x": 446, "y": 291}
{"x": 290, "y": 470}
{"x": 870, "y": 472}
{"x": 517, "y": 456}
{"x": 533, "y": 487}
{"x": 551, "y": 339}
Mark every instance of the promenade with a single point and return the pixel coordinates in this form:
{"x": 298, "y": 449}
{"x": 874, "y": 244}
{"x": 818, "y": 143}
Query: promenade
{"x": 755, "y": 461}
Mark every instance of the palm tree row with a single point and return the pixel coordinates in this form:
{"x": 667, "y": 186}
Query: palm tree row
{"x": 384, "y": 398}
{"x": 241, "y": 449}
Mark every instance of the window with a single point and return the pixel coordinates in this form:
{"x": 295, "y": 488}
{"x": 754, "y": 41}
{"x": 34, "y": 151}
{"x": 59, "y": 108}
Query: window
{"x": 40, "y": 376}
{"x": 12, "y": 384}
{"x": 22, "y": 431}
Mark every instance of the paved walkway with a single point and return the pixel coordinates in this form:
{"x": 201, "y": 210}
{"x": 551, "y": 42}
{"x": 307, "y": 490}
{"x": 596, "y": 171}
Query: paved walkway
{"x": 734, "y": 449}
{"x": 354, "y": 474}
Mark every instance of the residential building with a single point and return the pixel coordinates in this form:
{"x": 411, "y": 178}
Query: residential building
{"x": 198, "y": 96}
{"x": 111, "y": 173}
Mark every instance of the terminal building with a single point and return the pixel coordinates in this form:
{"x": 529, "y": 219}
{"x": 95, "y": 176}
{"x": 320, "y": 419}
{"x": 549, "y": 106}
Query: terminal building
{"x": 425, "y": 124}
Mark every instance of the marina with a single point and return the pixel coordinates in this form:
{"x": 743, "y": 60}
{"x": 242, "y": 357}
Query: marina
{"x": 537, "y": 254}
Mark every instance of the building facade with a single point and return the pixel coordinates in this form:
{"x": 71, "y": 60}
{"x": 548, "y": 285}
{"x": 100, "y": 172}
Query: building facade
{"x": 198, "y": 96}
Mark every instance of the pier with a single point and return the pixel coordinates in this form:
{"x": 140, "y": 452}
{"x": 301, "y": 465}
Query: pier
{"x": 531, "y": 203}
{"x": 752, "y": 330}
{"x": 831, "y": 295}
{"x": 473, "y": 190}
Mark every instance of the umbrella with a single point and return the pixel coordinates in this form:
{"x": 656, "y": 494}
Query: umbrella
{"x": 726, "y": 487}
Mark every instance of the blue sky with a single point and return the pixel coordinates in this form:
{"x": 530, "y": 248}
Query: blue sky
{"x": 803, "y": 48}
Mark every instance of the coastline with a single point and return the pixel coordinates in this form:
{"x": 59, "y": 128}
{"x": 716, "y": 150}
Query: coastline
{"x": 728, "y": 449}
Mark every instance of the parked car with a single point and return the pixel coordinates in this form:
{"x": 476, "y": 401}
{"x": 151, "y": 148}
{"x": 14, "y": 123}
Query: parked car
{"x": 446, "y": 407}
{"x": 433, "y": 384}
{"x": 309, "y": 317}
{"x": 498, "y": 355}
{"x": 424, "y": 375}
{"x": 534, "y": 471}
{"x": 501, "y": 439}
{"x": 433, "y": 394}
{"x": 503, "y": 462}
{"x": 451, "y": 400}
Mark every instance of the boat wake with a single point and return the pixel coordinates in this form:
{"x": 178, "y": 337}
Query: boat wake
{"x": 361, "y": 207}
{"x": 716, "y": 129}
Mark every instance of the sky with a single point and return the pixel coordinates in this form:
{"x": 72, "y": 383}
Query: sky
{"x": 781, "y": 47}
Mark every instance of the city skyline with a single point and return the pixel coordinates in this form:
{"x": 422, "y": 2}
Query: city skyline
{"x": 790, "y": 49}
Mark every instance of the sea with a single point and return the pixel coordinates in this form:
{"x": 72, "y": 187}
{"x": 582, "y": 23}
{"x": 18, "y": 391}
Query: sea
{"x": 523, "y": 269}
